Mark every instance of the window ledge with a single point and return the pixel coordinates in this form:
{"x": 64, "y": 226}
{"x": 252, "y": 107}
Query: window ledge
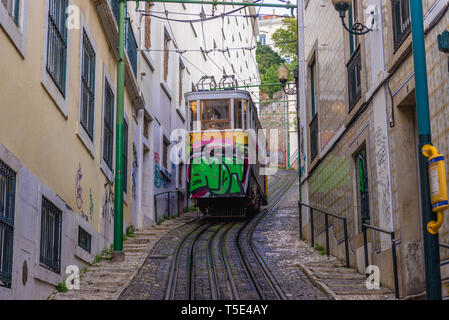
{"x": 149, "y": 60}
{"x": 180, "y": 114}
{"x": 47, "y": 276}
{"x": 85, "y": 139}
{"x": 17, "y": 34}
{"x": 108, "y": 172}
{"x": 54, "y": 93}
{"x": 167, "y": 89}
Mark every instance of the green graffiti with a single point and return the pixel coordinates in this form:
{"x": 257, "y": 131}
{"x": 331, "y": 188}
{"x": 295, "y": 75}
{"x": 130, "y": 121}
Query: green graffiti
{"x": 218, "y": 178}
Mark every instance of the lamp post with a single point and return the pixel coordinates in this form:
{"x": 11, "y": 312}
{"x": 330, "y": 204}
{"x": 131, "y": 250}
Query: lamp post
{"x": 357, "y": 28}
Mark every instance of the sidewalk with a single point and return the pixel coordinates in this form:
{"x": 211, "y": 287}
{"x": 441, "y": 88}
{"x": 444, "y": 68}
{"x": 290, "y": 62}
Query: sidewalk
{"x": 278, "y": 236}
{"x": 106, "y": 280}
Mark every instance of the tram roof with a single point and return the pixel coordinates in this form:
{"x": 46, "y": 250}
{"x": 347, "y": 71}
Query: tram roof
{"x": 219, "y": 94}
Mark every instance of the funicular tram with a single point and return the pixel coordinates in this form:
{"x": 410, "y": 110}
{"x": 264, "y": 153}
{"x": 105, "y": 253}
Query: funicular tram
{"x": 223, "y": 173}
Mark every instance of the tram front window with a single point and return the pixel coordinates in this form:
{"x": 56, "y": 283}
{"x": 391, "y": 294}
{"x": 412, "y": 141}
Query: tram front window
{"x": 215, "y": 114}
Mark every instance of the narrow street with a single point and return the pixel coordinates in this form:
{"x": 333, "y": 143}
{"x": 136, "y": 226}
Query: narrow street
{"x": 212, "y": 258}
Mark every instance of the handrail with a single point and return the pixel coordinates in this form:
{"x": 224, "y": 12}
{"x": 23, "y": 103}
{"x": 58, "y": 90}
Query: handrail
{"x": 366, "y": 226}
{"x": 326, "y": 218}
{"x": 177, "y": 191}
{"x": 444, "y": 245}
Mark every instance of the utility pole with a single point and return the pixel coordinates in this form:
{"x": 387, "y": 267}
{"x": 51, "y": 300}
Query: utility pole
{"x": 118, "y": 254}
{"x": 300, "y": 81}
{"x": 431, "y": 243}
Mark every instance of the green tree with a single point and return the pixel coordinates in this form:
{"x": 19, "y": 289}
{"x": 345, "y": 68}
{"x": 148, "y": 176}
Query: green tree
{"x": 268, "y": 61}
{"x": 284, "y": 36}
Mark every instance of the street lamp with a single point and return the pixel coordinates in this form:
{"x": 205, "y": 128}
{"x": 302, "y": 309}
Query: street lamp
{"x": 283, "y": 74}
{"x": 357, "y": 28}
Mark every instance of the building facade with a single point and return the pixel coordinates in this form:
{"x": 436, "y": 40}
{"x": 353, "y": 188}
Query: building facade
{"x": 361, "y": 159}
{"x": 57, "y": 129}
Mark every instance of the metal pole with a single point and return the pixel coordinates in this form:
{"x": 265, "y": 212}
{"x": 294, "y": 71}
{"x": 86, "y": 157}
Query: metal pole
{"x": 300, "y": 220}
{"x": 431, "y": 247}
{"x": 395, "y": 266}
{"x": 345, "y": 227}
{"x": 118, "y": 255}
{"x": 311, "y": 229}
{"x": 365, "y": 246}
{"x": 287, "y": 149}
{"x": 300, "y": 81}
{"x": 326, "y": 218}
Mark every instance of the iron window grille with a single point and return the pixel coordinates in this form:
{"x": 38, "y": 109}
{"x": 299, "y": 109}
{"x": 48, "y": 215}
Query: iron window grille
{"x": 57, "y": 43}
{"x": 125, "y": 157}
{"x": 314, "y": 138}
{"x": 108, "y": 125}
{"x": 354, "y": 67}
{"x": 7, "y": 208}
{"x": 84, "y": 240}
{"x": 88, "y": 87}
{"x": 401, "y": 21}
{"x": 51, "y": 226}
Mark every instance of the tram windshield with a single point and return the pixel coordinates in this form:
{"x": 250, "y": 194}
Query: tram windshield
{"x": 215, "y": 114}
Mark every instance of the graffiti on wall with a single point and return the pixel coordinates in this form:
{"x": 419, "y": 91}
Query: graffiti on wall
{"x": 214, "y": 173}
{"x": 157, "y": 171}
{"x": 134, "y": 173}
{"x": 91, "y": 205}
{"x": 108, "y": 202}
{"x": 79, "y": 193}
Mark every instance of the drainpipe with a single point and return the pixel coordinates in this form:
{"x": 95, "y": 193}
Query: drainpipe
{"x": 118, "y": 254}
{"x": 431, "y": 244}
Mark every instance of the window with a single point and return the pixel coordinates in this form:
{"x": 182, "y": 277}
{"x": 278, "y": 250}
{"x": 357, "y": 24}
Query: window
{"x": 84, "y": 239}
{"x": 108, "y": 125}
{"x": 312, "y": 87}
{"x": 50, "y": 255}
{"x": 88, "y": 87}
{"x": 193, "y": 115}
{"x": 215, "y": 114}
{"x": 354, "y": 81}
{"x": 166, "y": 55}
{"x": 147, "y": 27}
{"x": 314, "y": 138}
{"x": 125, "y": 157}
{"x": 7, "y": 208}
{"x": 313, "y": 127}
{"x": 362, "y": 188}
{"x": 181, "y": 76}
{"x": 353, "y": 17}
{"x": 238, "y": 114}
{"x": 165, "y": 153}
{"x": 13, "y": 9}
{"x": 401, "y": 21}
{"x": 57, "y": 43}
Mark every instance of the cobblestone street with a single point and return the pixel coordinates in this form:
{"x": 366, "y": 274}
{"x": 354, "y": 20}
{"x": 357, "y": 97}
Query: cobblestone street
{"x": 202, "y": 259}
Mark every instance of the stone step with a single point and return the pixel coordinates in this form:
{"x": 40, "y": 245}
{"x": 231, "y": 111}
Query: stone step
{"x": 132, "y": 249}
{"x": 333, "y": 270}
{"x": 355, "y": 277}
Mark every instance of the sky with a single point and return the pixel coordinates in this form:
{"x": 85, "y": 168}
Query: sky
{"x": 279, "y": 11}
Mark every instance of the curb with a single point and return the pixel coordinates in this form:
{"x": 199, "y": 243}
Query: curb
{"x": 322, "y": 286}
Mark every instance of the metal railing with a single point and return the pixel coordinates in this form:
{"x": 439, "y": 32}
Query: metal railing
{"x": 393, "y": 251}
{"x": 131, "y": 45}
{"x": 168, "y": 213}
{"x": 326, "y": 222}
{"x": 130, "y": 40}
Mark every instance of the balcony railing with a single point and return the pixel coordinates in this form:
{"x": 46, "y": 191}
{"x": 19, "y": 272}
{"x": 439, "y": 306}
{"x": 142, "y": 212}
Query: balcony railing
{"x": 131, "y": 46}
{"x": 130, "y": 39}
{"x": 401, "y": 21}
{"x": 354, "y": 81}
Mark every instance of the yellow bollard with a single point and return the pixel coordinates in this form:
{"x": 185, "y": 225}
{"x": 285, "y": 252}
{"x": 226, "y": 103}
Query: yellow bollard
{"x": 438, "y": 186}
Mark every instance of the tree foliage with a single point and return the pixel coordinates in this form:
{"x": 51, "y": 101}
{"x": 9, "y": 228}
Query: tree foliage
{"x": 284, "y": 35}
{"x": 268, "y": 61}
